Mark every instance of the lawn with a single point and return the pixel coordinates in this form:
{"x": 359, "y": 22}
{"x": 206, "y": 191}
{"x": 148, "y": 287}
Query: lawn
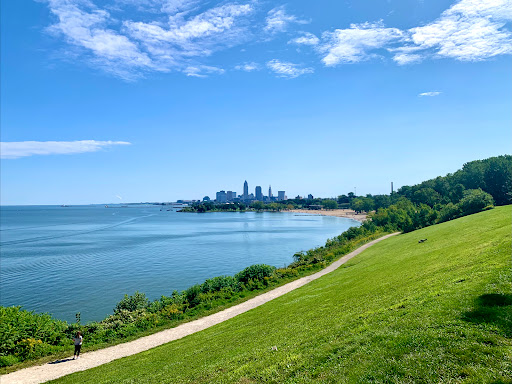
{"x": 401, "y": 312}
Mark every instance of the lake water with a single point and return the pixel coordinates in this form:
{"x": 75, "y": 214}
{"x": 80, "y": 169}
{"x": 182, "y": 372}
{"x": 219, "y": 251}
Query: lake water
{"x": 64, "y": 260}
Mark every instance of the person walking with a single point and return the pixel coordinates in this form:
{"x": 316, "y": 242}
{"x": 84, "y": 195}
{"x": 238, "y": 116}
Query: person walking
{"x": 78, "y": 344}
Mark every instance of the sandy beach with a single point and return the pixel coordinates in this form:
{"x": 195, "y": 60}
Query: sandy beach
{"x": 348, "y": 213}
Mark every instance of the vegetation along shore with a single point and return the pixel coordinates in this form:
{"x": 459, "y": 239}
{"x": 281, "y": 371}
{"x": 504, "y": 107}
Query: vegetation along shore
{"x": 27, "y": 337}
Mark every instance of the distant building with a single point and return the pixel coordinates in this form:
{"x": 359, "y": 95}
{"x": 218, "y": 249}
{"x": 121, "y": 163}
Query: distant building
{"x": 231, "y": 195}
{"x": 270, "y": 192}
{"x": 222, "y": 197}
{"x": 246, "y": 190}
{"x": 281, "y": 195}
{"x": 259, "y": 195}
{"x": 310, "y": 196}
{"x": 206, "y": 198}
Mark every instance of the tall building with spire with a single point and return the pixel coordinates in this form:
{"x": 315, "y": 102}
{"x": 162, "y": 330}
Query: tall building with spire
{"x": 246, "y": 190}
{"x": 270, "y": 192}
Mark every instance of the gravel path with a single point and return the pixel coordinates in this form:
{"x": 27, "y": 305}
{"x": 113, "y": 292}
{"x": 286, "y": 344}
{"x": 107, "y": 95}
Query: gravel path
{"x": 54, "y": 370}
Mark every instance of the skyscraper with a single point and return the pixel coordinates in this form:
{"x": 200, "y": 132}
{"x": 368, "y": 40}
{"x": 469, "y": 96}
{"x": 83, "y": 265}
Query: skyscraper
{"x": 281, "y": 196}
{"x": 270, "y": 192}
{"x": 259, "y": 195}
{"x": 221, "y": 197}
{"x": 231, "y": 195}
{"x": 246, "y": 190}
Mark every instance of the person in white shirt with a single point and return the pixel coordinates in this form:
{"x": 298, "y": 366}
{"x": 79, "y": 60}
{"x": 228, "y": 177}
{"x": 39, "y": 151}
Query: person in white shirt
{"x": 78, "y": 344}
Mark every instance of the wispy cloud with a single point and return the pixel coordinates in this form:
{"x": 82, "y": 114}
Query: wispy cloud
{"x": 129, "y": 49}
{"x": 88, "y": 28}
{"x": 470, "y": 30}
{"x": 14, "y": 150}
{"x": 131, "y": 38}
{"x": 278, "y": 20}
{"x": 202, "y": 70}
{"x": 357, "y": 43}
{"x": 287, "y": 70}
{"x": 306, "y": 39}
{"x": 429, "y": 94}
{"x": 248, "y": 67}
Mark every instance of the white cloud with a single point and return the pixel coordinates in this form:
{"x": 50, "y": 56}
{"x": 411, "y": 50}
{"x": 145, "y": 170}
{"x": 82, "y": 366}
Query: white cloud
{"x": 357, "y": 43}
{"x": 470, "y": 30}
{"x": 429, "y": 94}
{"x": 286, "y": 69}
{"x": 248, "y": 67}
{"x": 88, "y": 29}
{"x": 407, "y": 58}
{"x": 202, "y": 70}
{"x": 130, "y": 48}
{"x": 306, "y": 39}
{"x": 199, "y": 35}
{"x": 278, "y": 20}
{"x": 130, "y": 38}
{"x": 14, "y": 150}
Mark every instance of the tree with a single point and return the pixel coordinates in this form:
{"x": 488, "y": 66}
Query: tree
{"x": 368, "y": 204}
{"x": 274, "y": 206}
{"x": 330, "y": 204}
{"x": 475, "y": 200}
{"x": 258, "y": 205}
{"x": 357, "y": 205}
{"x": 498, "y": 179}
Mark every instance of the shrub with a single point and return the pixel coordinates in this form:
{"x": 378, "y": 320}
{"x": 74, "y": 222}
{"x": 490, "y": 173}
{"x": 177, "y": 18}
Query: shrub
{"x": 132, "y": 303}
{"x": 255, "y": 272}
{"x": 17, "y": 326}
{"x": 218, "y": 283}
{"x": 475, "y": 200}
{"x": 7, "y": 361}
{"x": 192, "y": 295}
{"x": 449, "y": 212}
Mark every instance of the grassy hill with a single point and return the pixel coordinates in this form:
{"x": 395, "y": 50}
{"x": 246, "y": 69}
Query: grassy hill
{"x": 402, "y": 312}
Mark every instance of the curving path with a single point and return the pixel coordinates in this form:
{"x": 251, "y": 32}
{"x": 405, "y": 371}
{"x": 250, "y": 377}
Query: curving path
{"x": 54, "y": 370}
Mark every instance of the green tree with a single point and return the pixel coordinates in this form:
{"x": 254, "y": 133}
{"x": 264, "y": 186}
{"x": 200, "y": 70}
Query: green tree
{"x": 330, "y": 204}
{"x": 475, "y": 200}
{"x": 258, "y": 205}
{"x": 357, "y": 205}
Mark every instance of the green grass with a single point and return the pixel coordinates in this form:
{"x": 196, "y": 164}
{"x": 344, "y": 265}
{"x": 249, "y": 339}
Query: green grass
{"x": 401, "y": 312}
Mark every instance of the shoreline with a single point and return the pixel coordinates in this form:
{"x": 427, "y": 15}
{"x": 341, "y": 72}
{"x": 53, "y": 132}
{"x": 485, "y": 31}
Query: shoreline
{"x": 346, "y": 213}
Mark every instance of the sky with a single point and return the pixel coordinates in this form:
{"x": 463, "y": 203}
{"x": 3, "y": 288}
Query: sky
{"x": 157, "y": 100}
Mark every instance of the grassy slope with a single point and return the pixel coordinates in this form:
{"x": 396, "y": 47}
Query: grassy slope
{"x": 400, "y": 312}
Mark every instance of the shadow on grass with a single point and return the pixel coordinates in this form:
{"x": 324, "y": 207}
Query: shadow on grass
{"x": 495, "y": 309}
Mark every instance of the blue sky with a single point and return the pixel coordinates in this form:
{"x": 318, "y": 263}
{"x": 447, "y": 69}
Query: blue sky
{"x": 158, "y": 100}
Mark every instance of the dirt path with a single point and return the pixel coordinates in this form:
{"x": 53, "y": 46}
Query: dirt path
{"x": 54, "y": 370}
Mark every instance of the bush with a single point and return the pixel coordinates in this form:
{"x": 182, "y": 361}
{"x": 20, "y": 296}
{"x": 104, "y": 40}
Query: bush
{"x": 132, "y": 303}
{"x": 255, "y": 272}
{"x": 7, "y": 361}
{"x": 18, "y": 327}
{"x": 449, "y": 212}
{"x": 218, "y": 283}
{"x": 192, "y": 295}
{"x": 475, "y": 200}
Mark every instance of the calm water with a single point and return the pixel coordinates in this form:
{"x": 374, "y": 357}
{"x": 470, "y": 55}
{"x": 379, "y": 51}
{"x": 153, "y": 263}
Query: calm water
{"x": 64, "y": 260}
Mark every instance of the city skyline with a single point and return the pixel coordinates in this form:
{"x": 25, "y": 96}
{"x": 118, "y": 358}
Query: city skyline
{"x": 224, "y": 196}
